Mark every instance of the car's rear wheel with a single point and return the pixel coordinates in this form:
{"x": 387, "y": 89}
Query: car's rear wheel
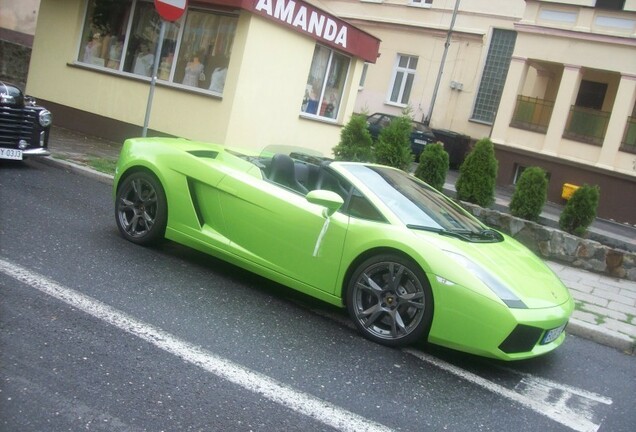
{"x": 140, "y": 209}
{"x": 389, "y": 298}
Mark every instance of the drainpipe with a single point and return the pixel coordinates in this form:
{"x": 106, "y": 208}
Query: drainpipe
{"x": 427, "y": 119}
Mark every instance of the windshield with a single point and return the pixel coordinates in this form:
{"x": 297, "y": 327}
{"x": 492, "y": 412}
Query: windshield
{"x": 416, "y": 204}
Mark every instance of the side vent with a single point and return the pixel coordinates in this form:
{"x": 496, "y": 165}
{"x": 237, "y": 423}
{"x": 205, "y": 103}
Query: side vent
{"x": 195, "y": 201}
{"x": 210, "y": 154}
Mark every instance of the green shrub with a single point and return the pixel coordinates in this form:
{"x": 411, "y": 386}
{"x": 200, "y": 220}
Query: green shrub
{"x": 355, "y": 141}
{"x": 394, "y": 144}
{"x": 580, "y": 210}
{"x": 530, "y": 194}
{"x": 478, "y": 174}
{"x": 433, "y": 165}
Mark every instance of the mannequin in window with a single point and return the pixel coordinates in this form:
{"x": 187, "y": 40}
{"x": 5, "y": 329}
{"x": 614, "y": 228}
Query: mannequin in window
{"x": 193, "y": 72}
{"x": 165, "y": 65}
{"x": 310, "y": 101}
{"x": 144, "y": 61}
{"x": 330, "y": 104}
{"x": 114, "y": 53}
{"x": 217, "y": 82}
{"x": 93, "y": 50}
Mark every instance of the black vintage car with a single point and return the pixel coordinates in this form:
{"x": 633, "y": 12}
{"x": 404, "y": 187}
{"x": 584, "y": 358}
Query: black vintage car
{"x": 24, "y": 125}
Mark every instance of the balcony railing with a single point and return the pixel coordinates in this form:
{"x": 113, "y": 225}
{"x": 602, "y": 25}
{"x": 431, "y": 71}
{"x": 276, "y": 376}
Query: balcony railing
{"x": 629, "y": 139}
{"x": 532, "y": 114}
{"x": 586, "y": 125}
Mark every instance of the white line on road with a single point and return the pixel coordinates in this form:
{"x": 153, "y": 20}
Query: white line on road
{"x": 273, "y": 390}
{"x": 564, "y": 404}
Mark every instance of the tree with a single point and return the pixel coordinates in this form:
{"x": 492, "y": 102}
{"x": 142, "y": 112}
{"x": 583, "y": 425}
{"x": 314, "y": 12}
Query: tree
{"x": 355, "y": 141}
{"x": 530, "y": 194}
{"x": 580, "y": 211}
{"x": 433, "y": 166}
{"x": 478, "y": 174}
{"x": 394, "y": 144}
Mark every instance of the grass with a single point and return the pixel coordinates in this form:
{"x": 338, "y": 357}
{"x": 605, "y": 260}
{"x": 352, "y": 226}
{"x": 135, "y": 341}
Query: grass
{"x": 580, "y": 306}
{"x": 102, "y": 165}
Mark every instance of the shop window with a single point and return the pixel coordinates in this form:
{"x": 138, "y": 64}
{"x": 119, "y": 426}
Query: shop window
{"x": 105, "y": 33}
{"x": 122, "y": 35}
{"x": 205, "y": 49}
{"x": 403, "y": 76}
{"x": 325, "y": 84}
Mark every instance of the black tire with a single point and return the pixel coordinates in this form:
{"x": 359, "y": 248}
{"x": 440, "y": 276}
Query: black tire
{"x": 390, "y": 301}
{"x": 141, "y": 211}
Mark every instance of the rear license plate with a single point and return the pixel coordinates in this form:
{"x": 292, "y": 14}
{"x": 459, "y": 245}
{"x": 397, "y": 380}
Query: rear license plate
{"x": 14, "y": 154}
{"x": 552, "y": 335}
{"x": 419, "y": 141}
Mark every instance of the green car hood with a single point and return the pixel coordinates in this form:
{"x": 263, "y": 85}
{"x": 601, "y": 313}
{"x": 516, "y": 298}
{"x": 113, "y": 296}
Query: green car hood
{"x": 519, "y": 269}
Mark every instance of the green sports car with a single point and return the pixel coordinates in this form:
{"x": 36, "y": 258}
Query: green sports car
{"x": 407, "y": 262}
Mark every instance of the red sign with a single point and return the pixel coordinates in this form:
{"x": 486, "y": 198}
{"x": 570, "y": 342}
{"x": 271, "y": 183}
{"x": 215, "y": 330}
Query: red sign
{"x": 171, "y": 10}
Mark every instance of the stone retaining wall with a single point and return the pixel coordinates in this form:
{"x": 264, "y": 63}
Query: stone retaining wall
{"x": 554, "y": 244}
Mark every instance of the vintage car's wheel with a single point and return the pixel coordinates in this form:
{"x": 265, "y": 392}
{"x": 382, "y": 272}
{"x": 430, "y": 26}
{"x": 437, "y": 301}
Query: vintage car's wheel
{"x": 389, "y": 299}
{"x": 140, "y": 209}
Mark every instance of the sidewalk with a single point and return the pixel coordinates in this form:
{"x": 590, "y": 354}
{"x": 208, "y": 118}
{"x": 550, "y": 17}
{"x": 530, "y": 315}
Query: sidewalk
{"x": 605, "y": 307}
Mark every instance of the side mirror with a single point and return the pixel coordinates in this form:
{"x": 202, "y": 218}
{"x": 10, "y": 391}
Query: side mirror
{"x": 331, "y": 201}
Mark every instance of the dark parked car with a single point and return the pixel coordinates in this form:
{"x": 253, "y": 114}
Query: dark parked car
{"x": 421, "y": 135}
{"x": 456, "y": 145}
{"x": 24, "y": 125}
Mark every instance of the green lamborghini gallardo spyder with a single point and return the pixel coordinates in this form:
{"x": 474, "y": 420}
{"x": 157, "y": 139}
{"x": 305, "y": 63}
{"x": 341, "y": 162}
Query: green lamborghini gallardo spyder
{"x": 406, "y": 261}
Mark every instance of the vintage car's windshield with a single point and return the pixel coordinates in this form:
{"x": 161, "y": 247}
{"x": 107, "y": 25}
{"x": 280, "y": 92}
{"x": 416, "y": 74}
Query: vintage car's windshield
{"x": 418, "y": 205}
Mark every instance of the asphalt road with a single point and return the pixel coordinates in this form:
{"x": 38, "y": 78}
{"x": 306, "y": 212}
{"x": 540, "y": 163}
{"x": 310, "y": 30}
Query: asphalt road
{"x": 99, "y": 334}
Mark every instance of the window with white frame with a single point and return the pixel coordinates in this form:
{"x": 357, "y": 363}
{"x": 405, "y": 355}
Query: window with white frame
{"x": 326, "y": 82}
{"x": 403, "y": 76}
{"x": 122, "y": 35}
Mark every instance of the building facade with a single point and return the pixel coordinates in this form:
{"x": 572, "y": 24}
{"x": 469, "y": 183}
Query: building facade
{"x": 551, "y": 82}
{"x": 420, "y": 39}
{"x": 569, "y": 102}
{"x": 245, "y": 74}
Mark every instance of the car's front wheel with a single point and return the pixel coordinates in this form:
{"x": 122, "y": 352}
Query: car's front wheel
{"x": 390, "y": 301}
{"x": 140, "y": 209}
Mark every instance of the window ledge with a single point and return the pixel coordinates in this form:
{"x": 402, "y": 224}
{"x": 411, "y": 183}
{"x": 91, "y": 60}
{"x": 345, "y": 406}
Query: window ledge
{"x": 395, "y": 104}
{"x": 326, "y": 120}
{"x": 133, "y": 77}
{"x": 483, "y": 122}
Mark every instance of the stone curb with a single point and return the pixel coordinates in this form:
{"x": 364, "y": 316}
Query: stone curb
{"x": 575, "y": 327}
{"x": 605, "y": 337}
{"x": 76, "y": 168}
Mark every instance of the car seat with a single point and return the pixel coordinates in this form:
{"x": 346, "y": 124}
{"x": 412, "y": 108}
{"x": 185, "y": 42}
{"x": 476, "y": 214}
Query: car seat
{"x": 283, "y": 172}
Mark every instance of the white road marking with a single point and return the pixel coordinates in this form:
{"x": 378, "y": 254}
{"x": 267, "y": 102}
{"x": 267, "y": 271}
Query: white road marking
{"x": 567, "y": 405}
{"x": 300, "y": 402}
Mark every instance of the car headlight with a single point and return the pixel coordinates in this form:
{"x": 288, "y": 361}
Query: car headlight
{"x": 45, "y": 118}
{"x": 488, "y": 279}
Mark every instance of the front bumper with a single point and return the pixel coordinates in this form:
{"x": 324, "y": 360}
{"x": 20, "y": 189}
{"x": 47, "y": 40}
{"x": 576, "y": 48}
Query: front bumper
{"x": 40, "y": 151}
{"x": 469, "y": 322}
